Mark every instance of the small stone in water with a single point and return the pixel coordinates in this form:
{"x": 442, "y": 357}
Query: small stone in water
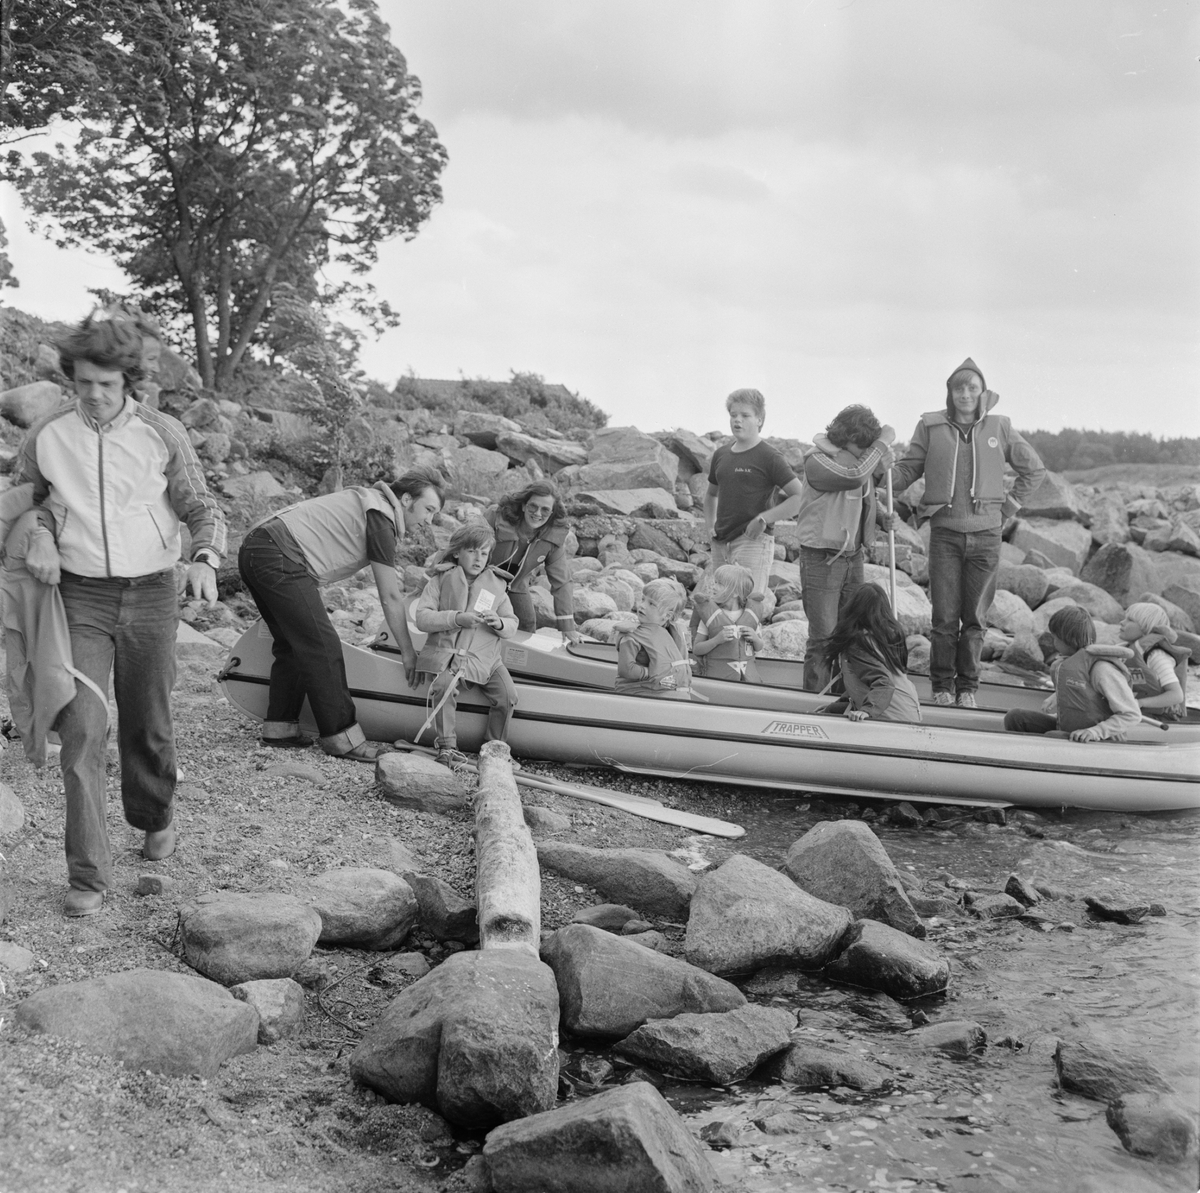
{"x": 1128, "y": 914}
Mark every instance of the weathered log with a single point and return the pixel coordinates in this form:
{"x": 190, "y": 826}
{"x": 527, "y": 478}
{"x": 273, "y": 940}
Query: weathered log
{"x": 508, "y": 884}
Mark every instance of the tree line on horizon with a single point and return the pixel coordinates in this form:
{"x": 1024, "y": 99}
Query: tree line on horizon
{"x": 1074, "y": 450}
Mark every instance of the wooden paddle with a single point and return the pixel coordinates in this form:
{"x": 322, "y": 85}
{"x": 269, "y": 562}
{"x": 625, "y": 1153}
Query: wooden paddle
{"x": 635, "y": 805}
{"x": 891, "y": 543}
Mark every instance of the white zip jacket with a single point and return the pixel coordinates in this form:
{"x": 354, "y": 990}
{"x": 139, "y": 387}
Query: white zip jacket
{"x": 119, "y": 493}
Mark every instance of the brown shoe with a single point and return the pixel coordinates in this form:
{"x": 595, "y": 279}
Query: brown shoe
{"x": 160, "y": 845}
{"x": 78, "y": 903}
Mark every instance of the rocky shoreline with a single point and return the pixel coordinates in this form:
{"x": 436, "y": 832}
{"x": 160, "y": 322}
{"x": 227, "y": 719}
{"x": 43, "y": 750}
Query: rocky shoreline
{"x": 240, "y": 1012}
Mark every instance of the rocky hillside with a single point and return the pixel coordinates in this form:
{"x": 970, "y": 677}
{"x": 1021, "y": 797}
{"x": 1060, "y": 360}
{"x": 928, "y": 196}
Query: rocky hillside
{"x": 634, "y": 500}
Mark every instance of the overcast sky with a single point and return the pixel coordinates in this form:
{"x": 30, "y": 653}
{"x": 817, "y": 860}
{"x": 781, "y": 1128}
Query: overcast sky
{"x": 832, "y": 201}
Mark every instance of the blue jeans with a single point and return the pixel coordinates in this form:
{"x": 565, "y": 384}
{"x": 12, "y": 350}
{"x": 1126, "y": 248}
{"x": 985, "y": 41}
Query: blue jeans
{"x": 126, "y": 626}
{"x": 307, "y": 652}
{"x": 827, "y": 580}
{"x": 962, "y": 586}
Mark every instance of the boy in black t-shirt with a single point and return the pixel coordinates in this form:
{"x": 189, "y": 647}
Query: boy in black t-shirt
{"x": 742, "y": 479}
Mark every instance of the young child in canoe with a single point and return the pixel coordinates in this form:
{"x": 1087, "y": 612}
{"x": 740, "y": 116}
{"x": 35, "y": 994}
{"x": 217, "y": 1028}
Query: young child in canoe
{"x": 1092, "y": 700}
{"x": 652, "y": 658}
{"x": 1158, "y": 668}
{"x": 465, "y": 610}
{"x": 869, "y": 648}
{"x": 727, "y": 638}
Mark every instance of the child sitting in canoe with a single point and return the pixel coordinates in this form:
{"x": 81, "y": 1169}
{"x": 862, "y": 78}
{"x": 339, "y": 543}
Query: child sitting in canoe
{"x": 1092, "y": 700}
{"x": 652, "y": 658}
{"x": 465, "y": 610}
{"x": 1158, "y": 669}
{"x": 727, "y": 638}
{"x": 868, "y": 647}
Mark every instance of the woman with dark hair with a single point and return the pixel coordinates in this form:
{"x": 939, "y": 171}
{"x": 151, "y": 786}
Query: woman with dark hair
{"x": 869, "y": 647}
{"x": 287, "y": 556}
{"x": 531, "y": 532}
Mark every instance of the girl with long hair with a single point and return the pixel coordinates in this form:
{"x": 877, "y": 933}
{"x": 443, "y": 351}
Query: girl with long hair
{"x": 869, "y": 648}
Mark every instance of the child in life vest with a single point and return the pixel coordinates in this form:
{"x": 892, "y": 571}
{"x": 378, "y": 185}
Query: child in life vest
{"x": 727, "y": 638}
{"x": 465, "y": 610}
{"x": 869, "y": 648}
{"x": 1157, "y": 664}
{"x": 652, "y": 658}
{"x": 1092, "y": 699}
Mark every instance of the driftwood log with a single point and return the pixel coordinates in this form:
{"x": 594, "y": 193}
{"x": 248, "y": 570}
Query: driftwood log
{"x": 508, "y": 883}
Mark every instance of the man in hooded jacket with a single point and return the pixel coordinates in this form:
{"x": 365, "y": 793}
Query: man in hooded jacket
{"x": 962, "y": 451}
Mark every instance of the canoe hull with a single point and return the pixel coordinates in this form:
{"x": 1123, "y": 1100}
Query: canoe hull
{"x": 777, "y": 747}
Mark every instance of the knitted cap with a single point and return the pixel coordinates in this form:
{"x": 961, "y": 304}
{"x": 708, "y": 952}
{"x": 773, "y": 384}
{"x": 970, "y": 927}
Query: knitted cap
{"x": 1151, "y": 619}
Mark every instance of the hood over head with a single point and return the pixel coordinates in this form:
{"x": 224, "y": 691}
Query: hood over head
{"x": 987, "y": 400}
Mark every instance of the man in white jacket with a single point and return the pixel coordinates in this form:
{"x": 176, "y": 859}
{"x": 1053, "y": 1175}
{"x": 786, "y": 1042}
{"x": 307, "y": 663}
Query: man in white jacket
{"x": 114, "y": 480}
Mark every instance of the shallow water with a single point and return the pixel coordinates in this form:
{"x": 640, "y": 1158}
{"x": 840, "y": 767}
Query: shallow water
{"x": 996, "y": 1122}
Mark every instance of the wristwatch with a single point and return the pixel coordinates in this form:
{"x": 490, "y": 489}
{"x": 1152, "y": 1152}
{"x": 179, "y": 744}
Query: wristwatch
{"x": 204, "y": 555}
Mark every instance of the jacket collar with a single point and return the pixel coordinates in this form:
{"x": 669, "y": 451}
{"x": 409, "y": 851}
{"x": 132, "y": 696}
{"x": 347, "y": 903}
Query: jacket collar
{"x": 128, "y": 408}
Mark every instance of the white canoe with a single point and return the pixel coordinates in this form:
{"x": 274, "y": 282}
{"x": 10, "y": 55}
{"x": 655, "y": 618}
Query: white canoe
{"x": 955, "y": 756}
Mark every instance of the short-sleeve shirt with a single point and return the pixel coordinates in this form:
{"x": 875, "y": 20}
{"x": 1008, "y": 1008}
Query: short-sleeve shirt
{"x": 745, "y": 482}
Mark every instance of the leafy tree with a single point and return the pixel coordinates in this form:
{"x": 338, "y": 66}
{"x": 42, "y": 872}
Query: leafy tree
{"x": 7, "y": 277}
{"x": 225, "y": 151}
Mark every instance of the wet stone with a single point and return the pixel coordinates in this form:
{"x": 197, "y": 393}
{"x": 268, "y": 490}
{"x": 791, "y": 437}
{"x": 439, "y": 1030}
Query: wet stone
{"x": 958, "y": 1037}
{"x": 785, "y": 1122}
{"x": 624, "y": 1139}
{"x": 1021, "y": 890}
{"x": 880, "y": 958}
{"x": 1100, "y": 1073}
{"x": 904, "y": 815}
{"x": 811, "y": 1066}
{"x": 1117, "y": 913}
{"x": 993, "y": 907}
{"x": 1154, "y": 1125}
{"x": 717, "y": 1048}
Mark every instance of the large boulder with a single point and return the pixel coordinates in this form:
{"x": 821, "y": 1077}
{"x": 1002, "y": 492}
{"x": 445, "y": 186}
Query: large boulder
{"x": 1100, "y": 604}
{"x": 1185, "y": 595}
{"x": 844, "y": 862}
{"x": 745, "y": 915}
{"x": 880, "y": 958}
{"x": 1122, "y": 570}
{"x": 1054, "y": 498}
{"x": 1174, "y": 568}
{"x": 1110, "y": 523}
{"x": 476, "y": 1040}
{"x": 1024, "y": 580}
{"x": 717, "y": 1048}
{"x": 591, "y": 605}
{"x": 261, "y": 486}
{"x": 785, "y": 639}
{"x": 623, "y": 595}
{"x": 1008, "y": 612}
{"x": 626, "y": 446}
{"x": 695, "y": 454}
{"x": 475, "y": 468}
{"x": 168, "y": 1022}
{"x": 1176, "y": 536}
{"x": 232, "y": 937}
{"x": 647, "y": 537}
{"x": 366, "y": 909}
{"x": 648, "y": 879}
{"x": 27, "y": 403}
{"x": 608, "y": 985}
{"x": 1064, "y": 543}
{"x": 549, "y": 454}
{"x": 626, "y": 502}
{"x": 482, "y": 427}
{"x": 622, "y": 1140}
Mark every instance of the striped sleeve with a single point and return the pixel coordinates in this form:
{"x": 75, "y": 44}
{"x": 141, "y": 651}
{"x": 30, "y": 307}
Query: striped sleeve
{"x": 190, "y": 498}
